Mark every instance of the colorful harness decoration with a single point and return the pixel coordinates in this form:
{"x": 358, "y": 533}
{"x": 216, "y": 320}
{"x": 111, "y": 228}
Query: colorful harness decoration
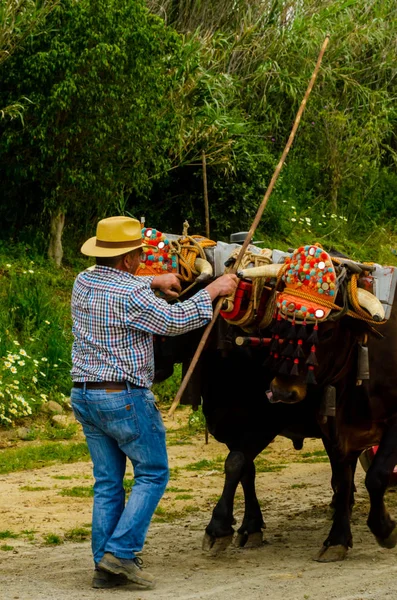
{"x": 310, "y": 287}
{"x": 156, "y": 257}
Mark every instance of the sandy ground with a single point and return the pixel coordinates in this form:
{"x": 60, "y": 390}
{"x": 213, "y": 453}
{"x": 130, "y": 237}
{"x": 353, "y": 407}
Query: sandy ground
{"x": 294, "y": 501}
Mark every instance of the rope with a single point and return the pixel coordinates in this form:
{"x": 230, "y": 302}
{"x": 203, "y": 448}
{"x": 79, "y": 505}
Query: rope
{"x": 187, "y": 250}
{"x": 249, "y": 317}
{"x": 360, "y": 314}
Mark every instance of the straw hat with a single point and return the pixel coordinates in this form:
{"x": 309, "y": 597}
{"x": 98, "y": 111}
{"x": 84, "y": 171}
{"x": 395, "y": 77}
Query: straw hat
{"x": 114, "y": 236}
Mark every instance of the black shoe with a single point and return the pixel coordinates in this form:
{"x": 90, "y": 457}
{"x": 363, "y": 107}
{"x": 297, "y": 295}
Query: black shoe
{"x": 130, "y": 568}
{"x": 104, "y": 580}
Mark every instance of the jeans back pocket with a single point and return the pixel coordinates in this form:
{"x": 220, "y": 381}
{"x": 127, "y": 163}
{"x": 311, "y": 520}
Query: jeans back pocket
{"x": 118, "y": 417}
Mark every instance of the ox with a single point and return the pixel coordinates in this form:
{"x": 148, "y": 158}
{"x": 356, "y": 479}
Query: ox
{"x": 365, "y": 415}
{"x": 232, "y": 382}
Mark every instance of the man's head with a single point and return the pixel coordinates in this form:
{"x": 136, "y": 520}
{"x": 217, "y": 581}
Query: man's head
{"x": 117, "y": 243}
{"x": 125, "y": 262}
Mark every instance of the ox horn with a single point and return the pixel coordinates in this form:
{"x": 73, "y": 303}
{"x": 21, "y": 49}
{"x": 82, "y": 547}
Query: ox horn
{"x": 205, "y": 270}
{"x": 268, "y": 271}
{"x": 371, "y": 304}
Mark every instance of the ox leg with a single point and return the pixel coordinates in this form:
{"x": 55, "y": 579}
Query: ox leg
{"x": 379, "y": 521}
{"x": 219, "y": 532}
{"x": 336, "y": 545}
{"x": 250, "y": 534}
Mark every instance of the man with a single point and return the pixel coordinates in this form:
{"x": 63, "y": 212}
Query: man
{"x": 115, "y": 315}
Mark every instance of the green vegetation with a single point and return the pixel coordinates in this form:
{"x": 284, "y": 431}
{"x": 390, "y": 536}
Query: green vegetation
{"x": 6, "y": 534}
{"x": 30, "y": 488}
{"x": 80, "y": 80}
{"x": 49, "y": 432}
{"x": 265, "y": 466}
{"x": 52, "y": 539}
{"x": 35, "y": 457}
{"x": 162, "y": 515}
{"x": 6, "y": 548}
{"x": 207, "y": 465}
{"x": 78, "y": 534}
{"x": 78, "y": 492}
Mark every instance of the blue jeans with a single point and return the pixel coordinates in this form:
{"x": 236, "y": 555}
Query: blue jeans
{"x": 118, "y": 425}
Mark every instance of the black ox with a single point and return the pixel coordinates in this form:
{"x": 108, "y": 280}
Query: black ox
{"x": 232, "y": 382}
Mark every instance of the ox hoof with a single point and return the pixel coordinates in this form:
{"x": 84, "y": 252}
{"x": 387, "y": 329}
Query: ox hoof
{"x": 390, "y": 541}
{"x": 331, "y": 554}
{"x": 252, "y": 540}
{"x": 215, "y": 545}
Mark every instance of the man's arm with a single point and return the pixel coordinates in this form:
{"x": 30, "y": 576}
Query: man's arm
{"x": 154, "y": 315}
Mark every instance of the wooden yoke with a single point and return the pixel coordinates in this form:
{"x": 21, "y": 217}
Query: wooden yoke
{"x": 252, "y": 230}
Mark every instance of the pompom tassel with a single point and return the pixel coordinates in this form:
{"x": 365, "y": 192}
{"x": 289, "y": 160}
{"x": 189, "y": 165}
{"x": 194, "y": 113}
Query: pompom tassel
{"x": 312, "y": 358}
{"x": 289, "y": 349}
{"x": 274, "y": 343}
{"x": 299, "y": 350}
{"x": 310, "y": 376}
{"x": 284, "y": 367}
{"x": 295, "y": 368}
{"x": 302, "y": 332}
{"x": 291, "y": 335}
{"x": 313, "y": 337}
{"x": 275, "y": 328}
{"x": 284, "y": 327}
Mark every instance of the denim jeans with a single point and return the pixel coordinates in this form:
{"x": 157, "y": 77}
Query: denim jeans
{"x": 118, "y": 425}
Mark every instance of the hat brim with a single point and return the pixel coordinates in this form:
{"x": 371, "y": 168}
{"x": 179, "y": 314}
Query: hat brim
{"x": 90, "y": 248}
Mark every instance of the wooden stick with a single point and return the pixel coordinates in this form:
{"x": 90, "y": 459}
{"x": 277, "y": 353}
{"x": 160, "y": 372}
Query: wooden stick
{"x": 206, "y": 205}
{"x": 252, "y": 230}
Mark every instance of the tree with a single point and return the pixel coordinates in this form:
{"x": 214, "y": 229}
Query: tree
{"x": 19, "y": 19}
{"x": 99, "y": 124}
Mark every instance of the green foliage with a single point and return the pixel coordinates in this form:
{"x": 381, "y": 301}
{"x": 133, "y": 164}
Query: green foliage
{"x": 78, "y": 534}
{"x": 78, "y": 492}
{"x": 35, "y": 337}
{"x": 52, "y": 539}
{"x": 166, "y": 390}
{"x": 35, "y": 457}
{"x": 7, "y": 534}
{"x": 99, "y": 125}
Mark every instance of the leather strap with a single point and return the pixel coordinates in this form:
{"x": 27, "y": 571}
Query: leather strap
{"x": 102, "y": 385}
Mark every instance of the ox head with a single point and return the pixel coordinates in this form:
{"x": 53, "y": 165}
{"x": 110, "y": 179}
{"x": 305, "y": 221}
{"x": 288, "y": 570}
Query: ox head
{"x": 309, "y": 345}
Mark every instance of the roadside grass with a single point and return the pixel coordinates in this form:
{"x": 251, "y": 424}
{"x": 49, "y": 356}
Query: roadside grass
{"x": 52, "y": 539}
{"x": 264, "y": 466}
{"x": 300, "y": 486}
{"x": 162, "y": 515}
{"x": 215, "y": 464}
{"x": 31, "y": 488}
{"x": 50, "y": 432}
{"x": 78, "y": 534}
{"x": 79, "y": 491}
{"x": 318, "y": 456}
{"x": 184, "y": 497}
{"x": 7, "y": 534}
{"x": 34, "y": 457}
{"x": 87, "y": 491}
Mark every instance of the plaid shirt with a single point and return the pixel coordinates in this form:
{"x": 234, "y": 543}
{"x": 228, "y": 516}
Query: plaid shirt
{"x": 115, "y": 315}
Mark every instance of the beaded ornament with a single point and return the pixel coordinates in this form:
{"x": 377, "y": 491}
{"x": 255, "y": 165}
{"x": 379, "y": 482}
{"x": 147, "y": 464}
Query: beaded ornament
{"x": 156, "y": 258}
{"x": 310, "y": 286}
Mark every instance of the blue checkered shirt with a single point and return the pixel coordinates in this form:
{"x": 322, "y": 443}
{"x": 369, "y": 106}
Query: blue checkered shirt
{"x": 115, "y": 315}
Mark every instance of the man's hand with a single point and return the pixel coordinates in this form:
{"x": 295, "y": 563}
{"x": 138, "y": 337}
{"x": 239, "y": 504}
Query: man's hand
{"x": 168, "y": 283}
{"x": 223, "y": 286}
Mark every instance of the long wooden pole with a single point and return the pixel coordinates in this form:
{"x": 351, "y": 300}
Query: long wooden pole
{"x": 206, "y": 205}
{"x": 252, "y": 230}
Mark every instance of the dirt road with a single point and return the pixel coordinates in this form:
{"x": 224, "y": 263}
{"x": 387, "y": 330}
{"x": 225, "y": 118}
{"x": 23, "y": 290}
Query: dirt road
{"x": 294, "y": 500}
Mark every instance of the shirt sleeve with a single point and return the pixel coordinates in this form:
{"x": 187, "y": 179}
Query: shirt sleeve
{"x": 154, "y": 315}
